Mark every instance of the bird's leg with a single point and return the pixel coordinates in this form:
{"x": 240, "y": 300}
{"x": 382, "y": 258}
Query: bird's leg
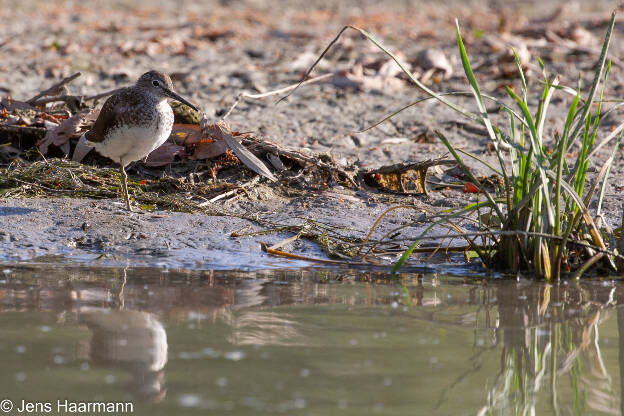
{"x": 124, "y": 186}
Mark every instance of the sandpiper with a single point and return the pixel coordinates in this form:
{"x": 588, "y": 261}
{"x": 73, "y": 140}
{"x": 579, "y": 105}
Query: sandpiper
{"x": 132, "y": 123}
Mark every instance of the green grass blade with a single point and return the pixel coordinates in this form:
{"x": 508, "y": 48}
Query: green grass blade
{"x": 599, "y": 68}
{"x": 521, "y": 72}
{"x": 549, "y": 94}
{"x": 473, "y": 84}
{"x": 538, "y": 153}
{"x": 478, "y": 159}
{"x": 560, "y": 159}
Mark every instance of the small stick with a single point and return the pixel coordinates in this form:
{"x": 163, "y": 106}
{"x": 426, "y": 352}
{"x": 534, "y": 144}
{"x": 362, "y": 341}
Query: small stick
{"x": 274, "y": 92}
{"x": 5, "y": 41}
{"x": 233, "y": 191}
{"x": 286, "y": 241}
{"x": 54, "y": 89}
{"x": 280, "y": 253}
{"x": 70, "y": 100}
{"x": 104, "y": 94}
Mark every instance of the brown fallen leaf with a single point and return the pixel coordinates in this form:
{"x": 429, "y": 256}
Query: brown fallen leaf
{"x": 470, "y": 188}
{"x": 209, "y": 140}
{"x": 68, "y": 129}
{"x": 164, "y": 155}
{"x": 199, "y": 144}
{"x": 500, "y": 60}
{"x": 211, "y": 33}
{"x": 209, "y": 149}
{"x": 187, "y": 133}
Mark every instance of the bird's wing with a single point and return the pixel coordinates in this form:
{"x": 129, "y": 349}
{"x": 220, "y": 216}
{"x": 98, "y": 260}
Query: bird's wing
{"x": 111, "y": 115}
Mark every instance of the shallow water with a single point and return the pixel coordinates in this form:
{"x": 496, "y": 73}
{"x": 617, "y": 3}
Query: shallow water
{"x": 315, "y": 342}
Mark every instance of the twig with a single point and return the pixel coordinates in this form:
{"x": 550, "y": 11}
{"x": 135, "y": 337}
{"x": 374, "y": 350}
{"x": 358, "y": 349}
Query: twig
{"x": 280, "y": 253}
{"x": 103, "y": 94}
{"x": 54, "y": 89}
{"x": 7, "y": 40}
{"x": 274, "y": 92}
{"x": 232, "y": 192}
{"x": 286, "y": 241}
{"x": 72, "y": 101}
{"x": 289, "y": 228}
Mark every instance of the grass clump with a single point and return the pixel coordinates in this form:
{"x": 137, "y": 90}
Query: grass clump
{"x": 63, "y": 178}
{"x": 545, "y": 226}
{"x": 542, "y": 221}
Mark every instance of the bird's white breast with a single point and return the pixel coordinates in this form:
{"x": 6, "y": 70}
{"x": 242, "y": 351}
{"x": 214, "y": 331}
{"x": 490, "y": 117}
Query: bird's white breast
{"x": 129, "y": 143}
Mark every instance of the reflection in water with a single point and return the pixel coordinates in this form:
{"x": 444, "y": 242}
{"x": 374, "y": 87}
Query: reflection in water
{"x": 269, "y": 342}
{"x": 262, "y": 328}
{"x": 550, "y": 337}
{"x": 133, "y": 341}
{"x": 253, "y": 327}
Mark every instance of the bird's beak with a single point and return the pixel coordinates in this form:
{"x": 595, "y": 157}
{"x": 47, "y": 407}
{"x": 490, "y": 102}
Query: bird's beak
{"x": 178, "y": 98}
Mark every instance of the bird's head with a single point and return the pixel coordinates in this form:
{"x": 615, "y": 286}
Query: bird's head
{"x": 160, "y": 85}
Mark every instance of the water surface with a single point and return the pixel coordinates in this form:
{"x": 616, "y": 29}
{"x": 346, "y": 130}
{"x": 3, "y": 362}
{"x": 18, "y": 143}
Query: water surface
{"x": 312, "y": 342}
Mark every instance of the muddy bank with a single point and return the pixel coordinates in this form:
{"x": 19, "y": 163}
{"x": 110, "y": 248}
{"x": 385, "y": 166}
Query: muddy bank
{"x": 82, "y": 230}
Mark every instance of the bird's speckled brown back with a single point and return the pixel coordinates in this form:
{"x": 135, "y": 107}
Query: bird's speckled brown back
{"x": 126, "y": 108}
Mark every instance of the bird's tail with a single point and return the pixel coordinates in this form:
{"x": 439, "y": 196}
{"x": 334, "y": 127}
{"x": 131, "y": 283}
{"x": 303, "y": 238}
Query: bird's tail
{"x": 81, "y": 150}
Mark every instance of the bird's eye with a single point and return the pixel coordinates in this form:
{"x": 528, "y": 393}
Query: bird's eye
{"x": 155, "y": 83}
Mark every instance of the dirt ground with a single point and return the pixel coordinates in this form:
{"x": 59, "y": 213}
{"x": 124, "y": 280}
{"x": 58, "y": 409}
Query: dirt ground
{"x": 218, "y": 49}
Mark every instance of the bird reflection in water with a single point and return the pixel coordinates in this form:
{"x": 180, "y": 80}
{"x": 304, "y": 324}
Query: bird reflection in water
{"x": 131, "y": 340}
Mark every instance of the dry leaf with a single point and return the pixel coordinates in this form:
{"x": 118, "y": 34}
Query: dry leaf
{"x": 68, "y": 129}
{"x": 389, "y": 68}
{"x": 470, "y": 188}
{"x": 164, "y": 155}
{"x": 209, "y": 150}
{"x": 186, "y": 133}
